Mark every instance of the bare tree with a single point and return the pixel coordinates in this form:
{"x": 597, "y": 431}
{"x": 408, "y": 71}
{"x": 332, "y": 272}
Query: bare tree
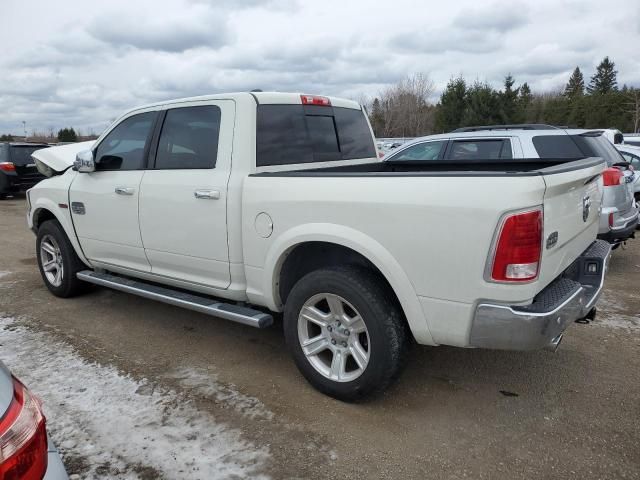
{"x": 406, "y": 109}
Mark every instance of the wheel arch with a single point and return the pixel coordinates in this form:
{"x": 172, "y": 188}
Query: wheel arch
{"x": 47, "y": 210}
{"x": 329, "y": 244}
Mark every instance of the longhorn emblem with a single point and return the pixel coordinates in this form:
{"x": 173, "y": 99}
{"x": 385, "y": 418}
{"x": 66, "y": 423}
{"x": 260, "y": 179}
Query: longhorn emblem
{"x": 586, "y": 207}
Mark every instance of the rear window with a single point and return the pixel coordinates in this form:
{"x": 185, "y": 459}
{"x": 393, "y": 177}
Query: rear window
{"x": 556, "y": 146}
{"x": 21, "y": 155}
{"x": 290, "y": 134}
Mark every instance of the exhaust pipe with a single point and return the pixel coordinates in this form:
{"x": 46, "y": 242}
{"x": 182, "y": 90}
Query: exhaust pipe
{"x": 553, "y": 345}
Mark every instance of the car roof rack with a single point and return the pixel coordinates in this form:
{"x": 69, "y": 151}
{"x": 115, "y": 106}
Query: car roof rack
{"x": 521, "y": 126}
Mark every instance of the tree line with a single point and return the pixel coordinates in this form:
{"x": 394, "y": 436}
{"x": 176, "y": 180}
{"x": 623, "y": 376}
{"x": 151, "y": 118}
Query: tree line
{"x": 404, "y": 109}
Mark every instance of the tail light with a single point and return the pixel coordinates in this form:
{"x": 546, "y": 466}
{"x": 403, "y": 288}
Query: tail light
{"x": 315, "y": 100}
{"x": 611, "y": 219}
{"x": 612, "y": 177}
{"x": 518, "y": 247}
{"x": 7, "y": 167}
{"x": 23, "y": 438}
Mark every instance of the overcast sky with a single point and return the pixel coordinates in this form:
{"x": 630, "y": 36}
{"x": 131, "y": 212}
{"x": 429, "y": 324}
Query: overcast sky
{"x": 79, "y": 63}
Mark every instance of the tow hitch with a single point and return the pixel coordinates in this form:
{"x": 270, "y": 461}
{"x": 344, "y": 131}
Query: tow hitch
{"x": 588, "y": 318}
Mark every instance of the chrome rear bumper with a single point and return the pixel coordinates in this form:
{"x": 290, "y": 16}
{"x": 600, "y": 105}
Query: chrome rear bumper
{"x": 567, "y": 299}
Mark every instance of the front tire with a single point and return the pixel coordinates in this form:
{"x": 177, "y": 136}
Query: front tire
{"x": 346, "y": 332}
{"x": 58, "y": 261}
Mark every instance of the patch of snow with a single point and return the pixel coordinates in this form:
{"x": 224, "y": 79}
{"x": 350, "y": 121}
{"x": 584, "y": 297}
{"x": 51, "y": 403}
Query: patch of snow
{"x": 119, "y": 426}
{"x": 206, "y": 383}
{"x": 4, "y": 273}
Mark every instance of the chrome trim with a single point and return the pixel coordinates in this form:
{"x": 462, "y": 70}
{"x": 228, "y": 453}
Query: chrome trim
{"x": 505, "y": 327}
{"x": 208, "y": 306}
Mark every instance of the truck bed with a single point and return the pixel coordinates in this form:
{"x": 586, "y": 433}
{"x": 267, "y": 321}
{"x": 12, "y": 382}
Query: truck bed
{"x": 513, "y": 167}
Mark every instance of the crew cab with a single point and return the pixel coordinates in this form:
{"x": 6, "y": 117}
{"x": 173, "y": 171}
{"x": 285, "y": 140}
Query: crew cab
{"x": 245, "y": 204}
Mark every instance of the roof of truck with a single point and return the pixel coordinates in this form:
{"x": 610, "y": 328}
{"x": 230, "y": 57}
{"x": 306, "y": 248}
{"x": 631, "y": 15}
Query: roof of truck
{"x": 259, "y": 97}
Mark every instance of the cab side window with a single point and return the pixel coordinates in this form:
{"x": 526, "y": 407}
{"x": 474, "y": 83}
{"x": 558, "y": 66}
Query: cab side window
{"x": 421, "y": 151}
{"x": 124, "y": 147}
{"x": 189, "y": 138}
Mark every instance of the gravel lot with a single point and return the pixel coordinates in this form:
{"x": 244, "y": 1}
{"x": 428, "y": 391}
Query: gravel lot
{"x": 137, "y": 389}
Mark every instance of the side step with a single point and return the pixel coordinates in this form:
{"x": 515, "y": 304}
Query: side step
{"x": 208, "y": 306}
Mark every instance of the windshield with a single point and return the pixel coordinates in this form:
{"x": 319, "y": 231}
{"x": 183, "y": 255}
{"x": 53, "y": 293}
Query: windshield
{"x": 21, "y": 155}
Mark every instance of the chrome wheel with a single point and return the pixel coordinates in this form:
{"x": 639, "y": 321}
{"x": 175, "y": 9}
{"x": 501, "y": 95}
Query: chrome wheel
{"x": 334, "y": 337}
{"x": 51, "y": 260}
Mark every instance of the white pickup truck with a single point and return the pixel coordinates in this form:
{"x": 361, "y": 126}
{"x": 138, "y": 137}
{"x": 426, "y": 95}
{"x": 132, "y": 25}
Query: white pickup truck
{"x": 244, "y": 204}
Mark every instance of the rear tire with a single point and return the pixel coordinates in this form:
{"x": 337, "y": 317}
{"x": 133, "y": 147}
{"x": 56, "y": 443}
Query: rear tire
{"x": 355, "y": 353}
{"x": 58, "y": 261}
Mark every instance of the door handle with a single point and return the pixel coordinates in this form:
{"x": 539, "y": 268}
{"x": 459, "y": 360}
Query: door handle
{"x": 124, "y": 190}
{"x": 207, "y": 194}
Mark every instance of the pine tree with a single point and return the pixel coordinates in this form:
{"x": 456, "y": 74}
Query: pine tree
{"x": 67, "y": 135}
{"x": 575, "y": 85}
{"x": 451, "y": 110}
{"x": 605, "y": 79}
{"x": 377, "y": 118}
{"x": 483, "y": 105}
{"x": 509, "y": 101}
{"x": 525, "y": 99}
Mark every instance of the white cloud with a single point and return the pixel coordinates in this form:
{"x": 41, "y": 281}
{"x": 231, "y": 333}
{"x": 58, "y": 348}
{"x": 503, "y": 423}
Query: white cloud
{"x": 84, "y": 66}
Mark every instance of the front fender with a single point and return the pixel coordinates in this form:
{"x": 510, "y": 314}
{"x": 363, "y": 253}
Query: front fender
{"x": 365, "y": 246}
{"x": 63, "y": 216}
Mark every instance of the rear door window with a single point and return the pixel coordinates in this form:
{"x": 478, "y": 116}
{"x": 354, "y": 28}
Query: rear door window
{"x": 290, "y": 134}
{"x": 420, "y": 152}
{"x": 123, "y": 148}
{"x": 189, "y": 138}
{"x": 490, "y": 149}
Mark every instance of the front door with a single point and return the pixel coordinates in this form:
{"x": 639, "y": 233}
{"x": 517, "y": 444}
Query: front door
{"x": 183, "y": 195}
{"x": 104, "y": 203}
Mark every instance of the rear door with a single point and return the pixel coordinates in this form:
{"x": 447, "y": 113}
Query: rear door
{"x": 104, "y": 203}
{"x": 183, "y": 199}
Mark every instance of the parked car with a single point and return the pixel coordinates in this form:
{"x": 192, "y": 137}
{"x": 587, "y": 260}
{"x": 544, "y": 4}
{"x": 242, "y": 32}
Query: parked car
{"x": 500, "y": 143}
{"x": 17, "y": 169}
{"x": 236, "y": 205}
{"x": 632, "y": 139}
{"x": 631, "y": 154}
{"x": 26, "y": 453}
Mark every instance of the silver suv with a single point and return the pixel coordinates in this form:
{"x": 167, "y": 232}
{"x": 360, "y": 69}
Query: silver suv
{"x": 619, "y": 216}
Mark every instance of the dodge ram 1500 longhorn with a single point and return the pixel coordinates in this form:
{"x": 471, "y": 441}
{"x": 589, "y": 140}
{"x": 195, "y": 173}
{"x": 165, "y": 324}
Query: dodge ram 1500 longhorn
{"x": 244, "y": 204}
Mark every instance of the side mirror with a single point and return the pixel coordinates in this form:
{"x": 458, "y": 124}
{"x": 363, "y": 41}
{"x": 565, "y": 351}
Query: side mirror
{"x": 84, "y": 162}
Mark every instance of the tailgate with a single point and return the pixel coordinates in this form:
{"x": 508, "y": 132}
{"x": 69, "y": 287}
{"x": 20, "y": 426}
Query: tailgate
{"x": 571, "y": 213}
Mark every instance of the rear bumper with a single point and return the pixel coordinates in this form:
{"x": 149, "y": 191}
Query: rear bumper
{"x": 568, "y": 298}
{"x": 620, "y": 234}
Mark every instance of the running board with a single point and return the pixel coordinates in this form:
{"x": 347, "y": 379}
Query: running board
{"x": 208, "y": 306}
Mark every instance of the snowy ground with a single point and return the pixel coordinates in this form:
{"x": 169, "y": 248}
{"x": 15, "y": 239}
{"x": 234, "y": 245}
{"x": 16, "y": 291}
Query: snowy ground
{"x": 122, "y": 428}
